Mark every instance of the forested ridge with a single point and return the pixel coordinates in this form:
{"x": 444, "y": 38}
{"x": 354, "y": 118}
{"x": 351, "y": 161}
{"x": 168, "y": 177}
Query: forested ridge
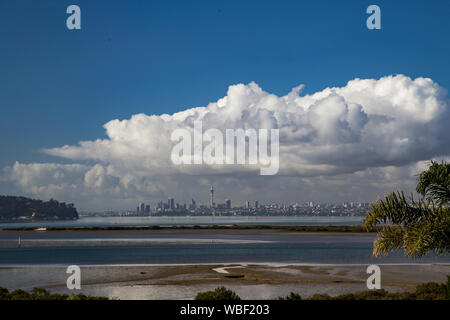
{"x": 12, "y": 208}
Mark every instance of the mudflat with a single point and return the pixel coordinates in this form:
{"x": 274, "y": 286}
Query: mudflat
{"x": 250, "y": 281}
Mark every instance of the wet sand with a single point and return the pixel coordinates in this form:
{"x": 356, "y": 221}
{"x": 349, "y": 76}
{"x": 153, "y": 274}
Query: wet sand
{"x": 250, "y": 281}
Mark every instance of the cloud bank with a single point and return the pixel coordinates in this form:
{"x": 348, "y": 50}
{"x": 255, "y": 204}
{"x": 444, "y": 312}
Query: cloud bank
{"x": 347, "y": 143}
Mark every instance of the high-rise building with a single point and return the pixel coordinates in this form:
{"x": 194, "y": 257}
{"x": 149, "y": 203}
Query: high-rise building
{"x": 228, "y": 203}
{"x": 247, "y": 204}
{"x": 193, "y": 205}
{"x": 212, "y": 196}
{"x": 141, "y": 208}
{"x": 256, "y": 204}
{"x": 171, "y": 203}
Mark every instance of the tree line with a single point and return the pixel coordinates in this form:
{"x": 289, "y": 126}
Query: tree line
{"x": 12, "y": 208}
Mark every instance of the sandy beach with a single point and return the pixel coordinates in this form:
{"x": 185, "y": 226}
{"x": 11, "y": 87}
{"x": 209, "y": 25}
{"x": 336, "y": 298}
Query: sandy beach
{"x": 250, "y": 281}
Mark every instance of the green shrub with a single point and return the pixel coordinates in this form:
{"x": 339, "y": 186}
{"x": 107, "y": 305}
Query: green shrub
{"x": 320, "y": 296}
{"x": 291, "y": 296}
{"x": 431, "y": 291}
{"x": 4, "y": 293}
{"x": 447, "y": 288}
{"x": 42, "y": 294}
{"x": 424, "y": 291}
{"x": 220, "y": 293}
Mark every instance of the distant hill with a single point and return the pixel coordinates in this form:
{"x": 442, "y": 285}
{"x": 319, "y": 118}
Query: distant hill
{"x": 13, "y": 208}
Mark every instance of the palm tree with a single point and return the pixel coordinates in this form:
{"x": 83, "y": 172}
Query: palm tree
{"x": 416, "y": 226}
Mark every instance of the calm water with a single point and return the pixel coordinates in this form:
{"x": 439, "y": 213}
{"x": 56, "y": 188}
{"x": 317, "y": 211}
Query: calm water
{"x": 162, "y": 249}
{"x": 140, "y": 248}
{"x": 166, "y": 221}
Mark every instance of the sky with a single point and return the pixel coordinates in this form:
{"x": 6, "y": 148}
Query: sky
{"x": 133, "y": 61}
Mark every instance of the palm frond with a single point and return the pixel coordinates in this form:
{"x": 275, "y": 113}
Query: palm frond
{"x": 416, "y": 226}
{"x": 434, "y": 183}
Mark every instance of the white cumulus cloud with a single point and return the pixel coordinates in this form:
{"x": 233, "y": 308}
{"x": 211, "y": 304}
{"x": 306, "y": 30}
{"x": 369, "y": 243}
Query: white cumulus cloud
{"x": 362, "y": 134}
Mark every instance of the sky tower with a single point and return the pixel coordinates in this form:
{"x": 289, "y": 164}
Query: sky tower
{"x": 212, "y": 196}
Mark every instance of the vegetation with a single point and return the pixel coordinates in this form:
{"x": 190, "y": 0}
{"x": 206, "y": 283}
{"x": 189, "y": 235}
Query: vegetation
{"x": 416, "y": 226}
{"x": 12, "y": 208}
{"x": 220, "y": 293}
{"x": 42, "y": 294}
{"x": 425, "y": 291}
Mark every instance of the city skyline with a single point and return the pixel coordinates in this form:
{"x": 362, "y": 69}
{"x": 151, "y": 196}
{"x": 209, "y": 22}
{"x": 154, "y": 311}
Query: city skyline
{"x": 172, "y": 205}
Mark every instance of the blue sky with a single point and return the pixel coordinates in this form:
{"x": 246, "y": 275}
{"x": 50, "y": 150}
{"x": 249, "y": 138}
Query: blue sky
{"x": 61, "y": 86}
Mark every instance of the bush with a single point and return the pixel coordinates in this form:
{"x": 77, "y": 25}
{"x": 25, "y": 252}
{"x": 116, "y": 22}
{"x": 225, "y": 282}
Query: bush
{"x": 447, "y": 288}
{"x": 20, "y": 294}
{"x": 424, "y": 291}
{"x": 291, "y": 296}
{"x": 431, "y": 291}
{"x": 366, "y": 295}
{"x": 220, "y": 293}
{"x": 320, "y": 296}
{"x": 4, "y": 293}
{"x": 42, "y": 294}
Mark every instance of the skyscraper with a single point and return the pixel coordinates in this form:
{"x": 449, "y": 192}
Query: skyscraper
{"x": 171, "y": 203}
{"x": 228, "y": 203}
{"x": 193, "y": 205}
{"x": 212, "y": 196}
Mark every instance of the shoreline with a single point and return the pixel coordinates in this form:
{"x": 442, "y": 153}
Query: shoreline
{"x": 289, "y": 228}
{"x": 225, "y": 264}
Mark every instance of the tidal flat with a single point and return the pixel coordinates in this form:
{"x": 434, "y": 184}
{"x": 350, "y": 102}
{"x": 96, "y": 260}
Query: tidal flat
{"x": 250, "y": 281}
